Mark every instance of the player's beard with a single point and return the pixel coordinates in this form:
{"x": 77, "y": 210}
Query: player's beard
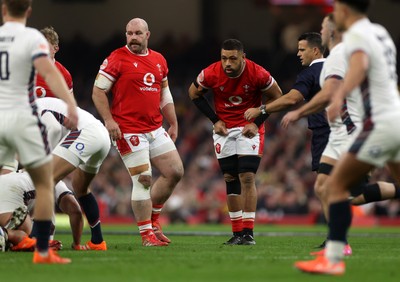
{"x": 136, "y": 47}
{"x": 233, "y": 72}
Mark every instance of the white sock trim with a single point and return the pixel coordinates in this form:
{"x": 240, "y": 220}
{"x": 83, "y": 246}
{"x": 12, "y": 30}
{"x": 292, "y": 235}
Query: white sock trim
{"x": 251, "y": 215}
{"x": 334, "y": 251}
{"x": 236, "y": 214}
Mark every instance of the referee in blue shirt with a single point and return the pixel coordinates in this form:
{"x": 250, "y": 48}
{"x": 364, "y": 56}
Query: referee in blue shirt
{"x": 311, "y": 54}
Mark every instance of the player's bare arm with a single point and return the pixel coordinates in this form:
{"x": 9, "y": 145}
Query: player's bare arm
{"x": 196, "y": 93}
{"x": 70, "y": 206}
{"x": 317, "y": 104}
{"x": 168, "y": 110}
{"x": 272, "y": 93}
{"x": 286, "y": 101}
{"x": 100, "y": 100}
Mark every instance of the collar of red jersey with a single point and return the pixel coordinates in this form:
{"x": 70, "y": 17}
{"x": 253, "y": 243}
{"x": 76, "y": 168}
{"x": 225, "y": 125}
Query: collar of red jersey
{"x": 145, "y": 54}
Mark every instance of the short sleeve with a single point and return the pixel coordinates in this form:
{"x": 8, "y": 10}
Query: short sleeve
{"x": 165, "y": 68}
{"x": 355, "y": 42}
{"x": 38, "y": 44}
{"x": 110, "y": 67}
{"x": 304, "y": 83}
{"x": 264, "y": 78}
{"x": 208, "y": 77}
{"x": 335, "y": 67}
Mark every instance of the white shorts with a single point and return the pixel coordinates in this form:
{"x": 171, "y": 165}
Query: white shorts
{"x": 339, "y": 143}
{"x": 11, "y": 166}
{"x": 156, "y": 143}
{"x": 60, "y": 190}
{"x": 23, "y": 134}
{"x": 237, "y": 144}
{"x": 380, "y": 145}
{"x": 86, "y": 148}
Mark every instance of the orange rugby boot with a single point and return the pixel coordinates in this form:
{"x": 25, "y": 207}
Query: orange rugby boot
{"x": 26, "y": 245}
{"x": 51, "y": 258}
{"x": 89, "y": 246}
{"x": 321, "y": 265}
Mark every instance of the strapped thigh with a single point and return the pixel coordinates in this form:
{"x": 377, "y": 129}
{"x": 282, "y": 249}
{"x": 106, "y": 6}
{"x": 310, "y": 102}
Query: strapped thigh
{"x": 248, "y": 164}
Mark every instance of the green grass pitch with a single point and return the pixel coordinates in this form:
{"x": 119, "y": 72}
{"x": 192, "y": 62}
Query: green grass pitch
{"x": 197, "y": 254}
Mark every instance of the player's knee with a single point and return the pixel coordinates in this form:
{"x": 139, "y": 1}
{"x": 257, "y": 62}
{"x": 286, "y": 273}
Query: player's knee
{"x": 229, "y": 177}
{"x": 74, "y": 211}
{"x": 247, "y": 178}
{"x": 70, "y": 206}
{"x": 140, "y": 187}
{"x": 145, "y": 180}
{"x": 177, "y": 174}
{"x": 320, "y": 190}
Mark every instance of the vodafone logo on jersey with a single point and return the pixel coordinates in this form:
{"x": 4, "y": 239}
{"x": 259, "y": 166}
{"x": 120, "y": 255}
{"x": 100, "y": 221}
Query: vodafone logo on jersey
{"x": 149, "y": 79}
{"x": 236, "y": 100}
{"x": 40, "y": 92}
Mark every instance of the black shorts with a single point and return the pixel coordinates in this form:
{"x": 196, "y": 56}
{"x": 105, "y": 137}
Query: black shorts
{"x": 320, "y": 137}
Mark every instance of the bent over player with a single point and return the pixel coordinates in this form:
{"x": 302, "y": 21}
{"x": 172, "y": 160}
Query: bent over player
{"x": 238, "y": 84}
{"x": 81, "y": 150}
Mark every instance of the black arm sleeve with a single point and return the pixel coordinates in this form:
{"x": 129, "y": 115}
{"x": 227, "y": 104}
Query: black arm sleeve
{"x": 203, "y": 105}
{"x": 260, "y": 119}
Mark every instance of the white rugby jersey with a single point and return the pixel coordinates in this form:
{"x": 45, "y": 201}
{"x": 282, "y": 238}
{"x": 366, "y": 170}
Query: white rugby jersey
{"x": 379, "y": 91}
{"x": 17, "y": 187}
{"x": 59, "y": 108}
{"x": 19, "y": 46}
{"x": 335, "y": 66}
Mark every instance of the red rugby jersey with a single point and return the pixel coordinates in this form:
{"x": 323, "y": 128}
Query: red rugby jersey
{"x": 136, "y": 88}
{"x": 41, "y": 88}
{"x": 233, "y": 96}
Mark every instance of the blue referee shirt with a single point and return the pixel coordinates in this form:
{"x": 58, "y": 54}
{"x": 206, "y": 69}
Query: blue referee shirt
{"x": 307, "y": 83}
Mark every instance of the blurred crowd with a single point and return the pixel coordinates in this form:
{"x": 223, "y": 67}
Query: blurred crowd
{"x": 284, "y": 179}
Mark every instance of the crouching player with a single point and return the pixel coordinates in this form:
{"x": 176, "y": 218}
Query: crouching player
{"x": 82, "y": 150}
{"x": 17, "y": 197}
